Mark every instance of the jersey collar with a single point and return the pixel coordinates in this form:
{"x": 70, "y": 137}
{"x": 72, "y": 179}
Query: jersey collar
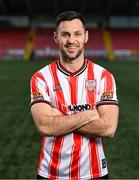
{"x": 68, "y": 73}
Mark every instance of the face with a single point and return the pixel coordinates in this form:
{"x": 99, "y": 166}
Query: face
{"x": 71, "y": 38}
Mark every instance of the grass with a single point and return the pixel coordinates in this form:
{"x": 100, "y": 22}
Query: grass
{"x": 123, "y": 150}
{"x": 20, "y": 142}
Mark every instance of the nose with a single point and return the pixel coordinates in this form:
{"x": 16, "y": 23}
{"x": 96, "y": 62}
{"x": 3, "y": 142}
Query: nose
{"x": 71, "y": 39}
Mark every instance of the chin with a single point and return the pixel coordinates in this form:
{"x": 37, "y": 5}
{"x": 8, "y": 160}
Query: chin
{"x": 70, "y": 56}
{"x": 73, "y": 56}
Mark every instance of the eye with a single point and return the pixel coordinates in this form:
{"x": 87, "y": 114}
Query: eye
{"x": 64, "y": 34}
{"x": 78, "y": 34}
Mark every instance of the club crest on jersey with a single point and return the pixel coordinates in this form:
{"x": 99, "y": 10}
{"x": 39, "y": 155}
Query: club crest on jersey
{"x": 90, "y": 85}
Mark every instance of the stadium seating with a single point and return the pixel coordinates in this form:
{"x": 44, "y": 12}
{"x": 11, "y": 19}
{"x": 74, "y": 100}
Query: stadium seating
{"x": 45, "y": 44}
{"x": 13, "y": 42}
{"x": 44, "y": 39}
{"x": 12, "y": 39}
{"x": 125, "y": 39}
{"x": 95, "y": 39}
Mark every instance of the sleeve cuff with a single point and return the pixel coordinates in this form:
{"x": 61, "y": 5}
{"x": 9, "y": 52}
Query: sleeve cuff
{"x": 107, "y": 102}
{"x": 39, "y": 101}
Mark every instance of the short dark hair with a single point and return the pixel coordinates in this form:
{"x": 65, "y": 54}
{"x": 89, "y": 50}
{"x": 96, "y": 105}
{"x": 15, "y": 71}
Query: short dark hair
{"x": 68, "y": 16}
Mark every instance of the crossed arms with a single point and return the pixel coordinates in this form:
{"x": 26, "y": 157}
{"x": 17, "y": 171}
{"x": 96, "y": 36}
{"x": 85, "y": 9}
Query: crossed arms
{"x": 98, "y": 122}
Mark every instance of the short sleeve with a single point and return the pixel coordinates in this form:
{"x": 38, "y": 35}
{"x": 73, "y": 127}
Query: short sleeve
{"x": 107, "y": 90}
{"x": 39, "y": 89}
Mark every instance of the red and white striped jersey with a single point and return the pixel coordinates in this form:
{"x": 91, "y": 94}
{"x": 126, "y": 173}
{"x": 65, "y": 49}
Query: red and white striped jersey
{"x": 73, "y": 156}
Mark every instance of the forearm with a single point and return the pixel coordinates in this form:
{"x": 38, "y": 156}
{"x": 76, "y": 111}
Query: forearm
{"x": 99, "y": 127}
{"x": 57, "y": 125}
{"x": 105, "y": 125}
{"x": 60, "y": 125}
{"x": 51, "y": 122}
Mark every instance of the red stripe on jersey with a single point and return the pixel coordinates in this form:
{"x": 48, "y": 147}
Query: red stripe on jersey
{"x": 95, "y": 172}
{"x": 55, "y": 159}
{"x": 34, "y": 86}
{"x": 57, "y": 87}
{"x": 42, "y": 153}
{"x": 33, "y": 83}
{"x": 91, "y": 99}
{"x": 108, "y": 81}
{"x": 75, "y": 159}
{"x": 73, "y": 89}
{"x": 90, "y": 76}
{"x": 58, "y": 142}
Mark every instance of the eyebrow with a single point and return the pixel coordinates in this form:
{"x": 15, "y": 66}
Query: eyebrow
{"x": 78, "y": 31}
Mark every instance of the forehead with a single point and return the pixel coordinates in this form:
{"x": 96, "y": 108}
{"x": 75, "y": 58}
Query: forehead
{"x": 71, "y": 25}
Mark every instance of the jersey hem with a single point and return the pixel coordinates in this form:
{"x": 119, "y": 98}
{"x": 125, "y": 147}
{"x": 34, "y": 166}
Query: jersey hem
{"x": 81, "y": 178}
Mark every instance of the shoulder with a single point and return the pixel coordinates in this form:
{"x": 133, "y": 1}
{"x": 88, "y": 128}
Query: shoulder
{"x": 43, "y": 71}
{"x": 99, "y": 70}
{"x": 96, "y": 66}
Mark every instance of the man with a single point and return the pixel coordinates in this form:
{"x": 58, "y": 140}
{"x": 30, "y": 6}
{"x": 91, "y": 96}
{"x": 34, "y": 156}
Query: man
{"x": 74, "y": 105}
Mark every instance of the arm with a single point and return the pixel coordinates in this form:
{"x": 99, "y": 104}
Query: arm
{"x": 51, "y": 122}
{"x": 106, "y": 125}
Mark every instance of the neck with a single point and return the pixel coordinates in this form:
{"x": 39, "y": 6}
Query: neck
{"x": 72, "y": 65}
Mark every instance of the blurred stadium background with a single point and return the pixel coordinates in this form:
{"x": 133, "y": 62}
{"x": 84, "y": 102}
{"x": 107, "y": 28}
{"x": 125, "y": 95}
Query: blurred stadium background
{"x": 26, "y": 45}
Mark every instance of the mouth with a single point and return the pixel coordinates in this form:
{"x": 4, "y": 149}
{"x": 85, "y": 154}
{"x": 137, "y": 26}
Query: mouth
{"x": 71, "y": 48}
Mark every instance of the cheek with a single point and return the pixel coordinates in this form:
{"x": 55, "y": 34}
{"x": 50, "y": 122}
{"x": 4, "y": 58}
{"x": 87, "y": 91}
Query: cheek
{"x": 62, "y": 41}
{"x": 61, "y": 44}
{"x": 82, "y": 41}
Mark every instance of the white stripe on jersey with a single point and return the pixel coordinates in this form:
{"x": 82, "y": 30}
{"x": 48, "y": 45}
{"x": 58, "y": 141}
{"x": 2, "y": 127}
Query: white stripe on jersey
{"x": 102, "y": 156}
{"x": 81, "y": 96}
{"x": 65, "y": 153}
{"x": 85, "y": 160}
{"x": 44, "y": 168}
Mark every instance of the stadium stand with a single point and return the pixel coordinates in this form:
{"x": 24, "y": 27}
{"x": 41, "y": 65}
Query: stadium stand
{"x": 12, "y": 40}
{"x": 44, "y": 39}
{"x": 95, "y": 39}
{"x": 103, "y": 19}
{"x": 125, "y": 39}
{"x": 125, "y": 43}
{"x": 44, "y": 44}
{"x": 23, "y": 43}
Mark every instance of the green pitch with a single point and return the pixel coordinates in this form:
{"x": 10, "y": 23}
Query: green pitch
{"x": 20, "y": 142}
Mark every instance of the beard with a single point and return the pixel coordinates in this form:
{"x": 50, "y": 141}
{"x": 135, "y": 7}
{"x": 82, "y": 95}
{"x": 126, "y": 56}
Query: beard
{"x": 69, "y": 56}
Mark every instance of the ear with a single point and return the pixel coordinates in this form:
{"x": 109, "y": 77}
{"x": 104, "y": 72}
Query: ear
{"x": 55, "y": 37}
{"x": 86, "y": 36}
